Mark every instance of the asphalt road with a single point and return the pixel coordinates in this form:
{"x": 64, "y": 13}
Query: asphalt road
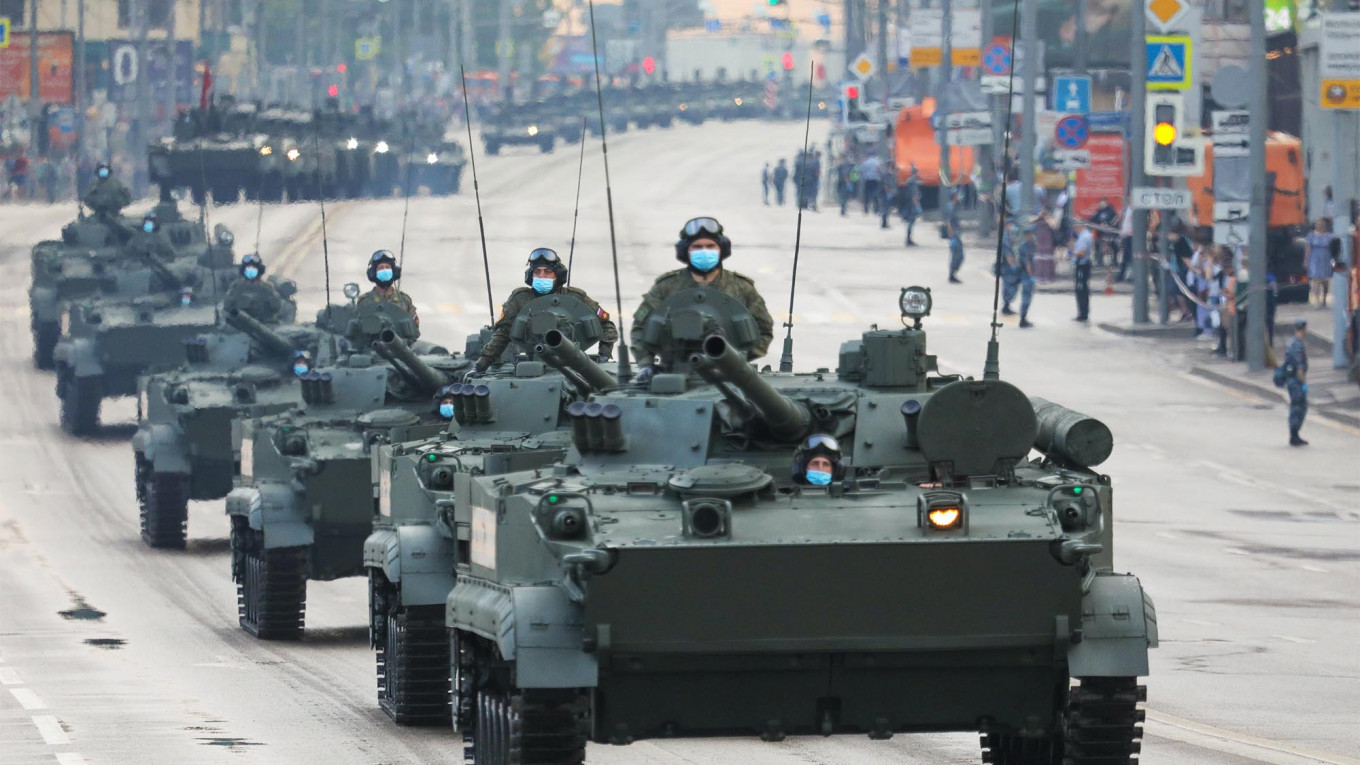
{"x": 114, "y": 653}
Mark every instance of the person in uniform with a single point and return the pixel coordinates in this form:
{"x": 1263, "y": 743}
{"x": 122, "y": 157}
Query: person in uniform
{"x": 251, "y": 294}
{"x": 1025, "y": 260}
{"x": 150, "y": 242}
{"x": 444, "y": 399}
{"x": 545, "y": 275}
{"x": 107, "y": 198}
{"x": 818, "y": 461}
{"x": 384, "y": 272}
{"x": 302, "y": 363}
{"x": 702, "y": 247}
{"x": 1296, "y": 381}
{"x": 1082, "y": 251}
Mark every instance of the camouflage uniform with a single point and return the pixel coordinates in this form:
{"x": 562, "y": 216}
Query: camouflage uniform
{"x": 522, "y": 297}
{"x": 107, "y": 197}
{"x": 740, "y": 287}
{"x": 257, "y": 298}
{"x": 154, "y": 245}
{"x": 402, "y": 300}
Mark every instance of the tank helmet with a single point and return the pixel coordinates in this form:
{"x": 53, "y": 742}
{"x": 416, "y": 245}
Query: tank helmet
{"x": 702, "y": 228}
{"x": 545, "y": 257}
{"x": 818, "y": 445}
{"x": 379, "y": 257}
{"x": 252, "y": 259}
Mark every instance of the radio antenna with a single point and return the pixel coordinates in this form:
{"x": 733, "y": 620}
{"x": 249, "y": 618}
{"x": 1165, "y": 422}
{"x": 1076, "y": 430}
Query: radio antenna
{"x": 625, "y": 364}
{"x": 476, "y": 193}
{"x": 786, "y": 358}
{"x": 991, "y": 368}
{"x": 207, "y": 233}
{"x": 406, "y": 205}
{"x": 580, "y": 170}
{"x": 325, "y": 242}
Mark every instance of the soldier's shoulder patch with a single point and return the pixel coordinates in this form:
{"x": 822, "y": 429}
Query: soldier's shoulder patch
{"x": 603, "y": 314}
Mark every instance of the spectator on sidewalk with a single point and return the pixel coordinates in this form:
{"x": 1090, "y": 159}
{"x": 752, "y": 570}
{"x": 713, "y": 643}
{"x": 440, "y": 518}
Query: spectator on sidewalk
{"x": 1296, "y": 381}
{"x": 1319, "y": 262}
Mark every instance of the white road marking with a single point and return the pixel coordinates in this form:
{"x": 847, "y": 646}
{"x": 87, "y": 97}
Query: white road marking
{"x": 51, "y": 730}
{"x": 1200, "y": 623}
{"x": 28, "y": 699}
{"x": 1235, "y": 551}
{"x": 70, "y": 758}
{"x": 1291, "y": 639}
{"x": 8, "y": 676}
{"x": 1314, "y": 569}
{"x": 1167, "y": 535}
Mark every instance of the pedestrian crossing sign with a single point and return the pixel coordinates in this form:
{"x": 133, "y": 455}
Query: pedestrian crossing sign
{"x": 1168, "y": 62}
{"x": 4, "y": 31}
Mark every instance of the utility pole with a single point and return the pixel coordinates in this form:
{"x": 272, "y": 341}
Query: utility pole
{"x": 503, "y": 53}
{"x": 34, "y": 91}
{"x": 987, "y": 152}
{"x": 1137, "y": 107}
{"x": 172, "y": 65}
{"x": 1082, "y": 41}
{"x": 883, "y": 47}
{"x": 301, "y": 77}
{"x": 1029, "y": 34}
{"x": 941, "y": 90}
{"x": 1256, "y": 252}
{"x": 80, "y": 75}
{"x": 137, "y": 136}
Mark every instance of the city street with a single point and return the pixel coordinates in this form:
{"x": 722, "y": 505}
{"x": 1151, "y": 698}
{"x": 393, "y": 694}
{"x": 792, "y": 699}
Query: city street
{"x": 111, "y": 652}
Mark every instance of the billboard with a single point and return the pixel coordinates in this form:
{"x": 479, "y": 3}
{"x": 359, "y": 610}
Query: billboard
{"x": 126, "y": 68}
{"x": 55, "y": 79}
{"x": 1105, "y": 176}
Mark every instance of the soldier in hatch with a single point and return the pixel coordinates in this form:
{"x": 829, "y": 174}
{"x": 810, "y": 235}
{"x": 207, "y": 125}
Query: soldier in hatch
{"x": 545, "y": 275}
{"x": 252, "y": 295}
{"x": 384, "y": 272}
{"x": 702, "y": 247}
{"x": 107, "y": 198}
{"x": 818, "y": 461}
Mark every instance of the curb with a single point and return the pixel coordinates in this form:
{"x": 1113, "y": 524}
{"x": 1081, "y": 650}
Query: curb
{"x": 1272, "y": 395}
{"x": 1172, "y": 331}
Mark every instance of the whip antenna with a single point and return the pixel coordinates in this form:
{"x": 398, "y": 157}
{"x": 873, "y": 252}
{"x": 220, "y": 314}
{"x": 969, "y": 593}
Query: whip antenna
{"x": 325, "y": 244}
{"x": 625, "y": 364}
{"x": 476, "y": 193}
{"x": 406, "y": 206}
{"x": 580, "y": 170}
{"x": 203, "y": 220}
{"x": 991, "y": 368}
{"x": 786, "y": 358}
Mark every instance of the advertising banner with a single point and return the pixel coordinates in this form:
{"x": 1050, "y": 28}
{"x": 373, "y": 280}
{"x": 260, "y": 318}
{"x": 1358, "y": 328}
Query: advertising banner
{"x": 1104, "y": 177}
{"x": 55, "y": 78}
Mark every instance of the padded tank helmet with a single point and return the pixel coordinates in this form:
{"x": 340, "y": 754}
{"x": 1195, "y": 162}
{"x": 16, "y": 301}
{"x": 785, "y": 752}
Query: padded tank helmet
{"x": 818, "y": 445}
{"x": 379, "y": 257}
{"x": 702, "y": 228}
{"x": 545, "y": 257}
{"x": 252, "y": 259}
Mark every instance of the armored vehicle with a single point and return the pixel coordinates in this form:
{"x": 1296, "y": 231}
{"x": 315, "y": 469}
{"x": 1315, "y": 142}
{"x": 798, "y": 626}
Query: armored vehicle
{"x": 437, "y": 166}
{"x": 214, "y": 150}
{"x": 306, "y": 496}
{"x": 680, "y": 574}
{"x": 520, "y": 125}
{"x": 509, "y": 420}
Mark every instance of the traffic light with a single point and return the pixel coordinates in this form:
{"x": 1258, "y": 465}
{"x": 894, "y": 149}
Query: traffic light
{"x": 1167, "y": 150}
{"x": 341, "y": 68}
{"x": 786, "y": 60}
{"x": 649, "y": 65}
{"x": 852, "y": 111}
{"x": 333, "y": 91}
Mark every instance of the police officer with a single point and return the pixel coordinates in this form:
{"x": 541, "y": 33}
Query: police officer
{"x": 1296, "y": 381}
{"x": 546, "y": 275}
{"x": 817, "y": 461}
{"x": 1025, "y": 260}
{"x": 251, "y": 294}
{"x": 702, "y": 247}
{"x": 107, "y": 198}
{"x": 1082, "y": 251}
{"x": 384, "y": 272}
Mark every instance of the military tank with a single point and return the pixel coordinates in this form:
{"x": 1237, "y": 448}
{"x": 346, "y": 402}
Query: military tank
{"x": 509, "y": 420}
{"x": 527, "y": 124}
{"x": 675, "y": 576}
{"x": 188, "y": 443}
{"x": 306, "y": 496}
{"x": 215, "y": 151}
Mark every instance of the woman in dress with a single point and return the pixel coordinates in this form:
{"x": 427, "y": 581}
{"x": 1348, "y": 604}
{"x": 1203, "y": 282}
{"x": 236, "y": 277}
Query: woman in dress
{"x": 1319, "y": 262}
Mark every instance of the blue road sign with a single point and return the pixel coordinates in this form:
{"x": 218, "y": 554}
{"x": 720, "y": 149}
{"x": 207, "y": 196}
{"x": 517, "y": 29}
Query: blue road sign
{"x": 1072, "y": 94}
{"x": 712, "y": 25}
{"x": 1108, "y": 122}
{"x": 824, "y": 19}
{"x": 997, "y": 60}
{"x": 1168, "y": 62}
{"x": 1072, "y": 131}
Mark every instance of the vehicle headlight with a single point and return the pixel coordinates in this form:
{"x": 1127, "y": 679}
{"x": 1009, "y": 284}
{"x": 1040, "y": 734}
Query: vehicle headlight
{"x": 944, "y": 517}
{"x": 432, "y": 158}
{"x": 737, "y": 101}
{"x": 942, "y": 511}
{"x": 381, "y": 148}
{"x": 915, "y": 303}
{"x": 684, "y": 107}
{"x": 293, "y": 154}
{"x": 266, "y": 151}
{"x": 533, "y": 130}
{"x": 352, "y": 143}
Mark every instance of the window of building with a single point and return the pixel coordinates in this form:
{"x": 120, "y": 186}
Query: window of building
{"x": 15, "y": 10}
{"x": 158, "y": 13}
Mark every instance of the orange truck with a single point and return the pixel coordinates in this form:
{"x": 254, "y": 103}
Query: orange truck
{"x": 914, "y": 143}
{"x": 1287, "y": 222}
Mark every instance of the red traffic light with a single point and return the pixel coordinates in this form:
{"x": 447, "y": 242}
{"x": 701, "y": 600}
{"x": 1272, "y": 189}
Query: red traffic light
{"x": 649, "y": 65}
{"x": 333, "y": 91}
{"x": 851, "y": 91}
{"x": 786, "y": 60}
{"x": 341, "y": 68}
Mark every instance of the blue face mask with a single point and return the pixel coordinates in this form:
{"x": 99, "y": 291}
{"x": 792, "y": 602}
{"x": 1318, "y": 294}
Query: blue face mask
{"x": 252, "y": 272}
{"x": 543, "y": 285}
{"x": 446, "y": 411}
{"x": 149, "y": 227}
{"x": 704, "y": 260}
{"x": 104, "y": 173}
{"x": 300, "y": 369}
{"x": 384, "y": 275}
{"x": 818, "y": 478}
{"x": 186, "y": 301}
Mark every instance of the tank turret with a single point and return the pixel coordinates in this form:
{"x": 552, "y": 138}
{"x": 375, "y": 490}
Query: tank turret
{"x": 719, "y": 364}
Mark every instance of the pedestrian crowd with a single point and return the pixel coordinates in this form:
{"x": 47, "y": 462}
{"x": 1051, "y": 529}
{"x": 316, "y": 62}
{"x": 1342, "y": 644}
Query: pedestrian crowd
{"x": 49, "y": 178}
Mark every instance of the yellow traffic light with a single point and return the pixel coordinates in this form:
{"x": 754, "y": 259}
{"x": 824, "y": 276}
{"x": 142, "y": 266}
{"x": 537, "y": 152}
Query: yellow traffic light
{"x": 1164, "y": 133}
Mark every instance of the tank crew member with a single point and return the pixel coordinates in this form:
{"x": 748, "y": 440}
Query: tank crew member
{"x": 186, "y": 296}
{"x": 107, "y": 198}
{"x": 818, "y": 462}
{"x": 251, "y": 294}
{"x": 443, "y": 402}
{"x": 1296, "y": 381}
{"x": 302, "y": 363}
{"x": 702, "y": 248}
{"x": 545, "y": 275}
{"x": 149, "y": 242}
{"x": 384, "y": 272}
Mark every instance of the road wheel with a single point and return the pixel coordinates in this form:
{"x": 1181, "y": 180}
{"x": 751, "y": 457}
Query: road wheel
{"x": 164, "y": 508}
{"x": 514, "y": 726}
{"x": 225, "y": 194}
{"x": 80, "y": 400}
{"x": 413, "y": 665}
{"x": 271, "y": 585}
{"x": 45, "y": 337}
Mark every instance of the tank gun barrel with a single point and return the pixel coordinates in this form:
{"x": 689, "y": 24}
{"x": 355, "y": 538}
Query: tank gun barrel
{"x": 390, "y": 347}
{"x": 719, "y": 363}
{"x": 271, "y": 341}
{"x": 563, "y": 355}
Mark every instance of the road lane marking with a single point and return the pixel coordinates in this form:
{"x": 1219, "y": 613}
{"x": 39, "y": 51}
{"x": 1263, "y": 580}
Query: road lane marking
{"x": 8, "y": 676}
{"x": 1314, "y": 569}
{"x": 28, "y": 699}
{"x": 1291, "y": 639}
{"x": 1180, "y": 729}
{"x": 1235, "y": 551}
{"x": 70, "y": 758}
{"x": 51, "y": 730}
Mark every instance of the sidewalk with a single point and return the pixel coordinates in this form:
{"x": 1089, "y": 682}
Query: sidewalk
{"x": 1101, "y": 277}
{"x": 1332, "y": 394}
